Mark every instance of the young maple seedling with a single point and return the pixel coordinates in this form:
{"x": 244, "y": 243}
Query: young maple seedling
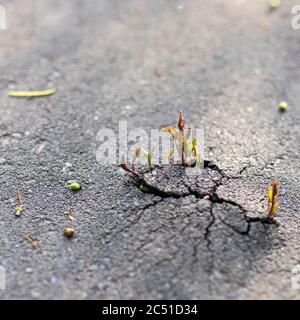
{"x": 273, "y": 193}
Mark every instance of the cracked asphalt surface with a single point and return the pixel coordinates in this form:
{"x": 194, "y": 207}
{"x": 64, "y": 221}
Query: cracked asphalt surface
{"x": 226, "y": 66}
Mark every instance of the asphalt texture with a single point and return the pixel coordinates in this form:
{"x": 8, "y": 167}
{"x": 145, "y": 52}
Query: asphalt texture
{"x": 226, "y": 65}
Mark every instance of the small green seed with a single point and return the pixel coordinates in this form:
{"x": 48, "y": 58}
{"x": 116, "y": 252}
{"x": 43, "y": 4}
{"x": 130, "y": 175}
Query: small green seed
{"x": 18, "y": 211}
{"x": 69, "y": 232}
{"x": 144, "y": 188}
{"x": 74, "y": 186}
{"x": 282, "y": 106}
{"x": 274, "y": 4}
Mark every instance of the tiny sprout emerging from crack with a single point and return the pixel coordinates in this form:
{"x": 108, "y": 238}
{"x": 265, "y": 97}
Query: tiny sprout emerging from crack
{"x": 195, "y": 152}
{"x": 137, "y": 154}
{"x": 126, "y": 167}
{"x": 181, "y": 121}
{"x": 169, "y": 156}
{"x": 181, "y": 124}
{"x": 188, "y": 150}
{"x": 149, "y": 156}
{"x": 273, "y": 193}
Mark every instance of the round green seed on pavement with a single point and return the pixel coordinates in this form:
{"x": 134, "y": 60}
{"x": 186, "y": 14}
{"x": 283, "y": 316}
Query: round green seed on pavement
{"x": 282, "y": 106}
{"x": 274, "y": 4}
{"x": 74, "y": 186}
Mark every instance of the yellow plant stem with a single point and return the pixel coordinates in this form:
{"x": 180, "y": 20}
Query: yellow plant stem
{"x": 42, "y": 93}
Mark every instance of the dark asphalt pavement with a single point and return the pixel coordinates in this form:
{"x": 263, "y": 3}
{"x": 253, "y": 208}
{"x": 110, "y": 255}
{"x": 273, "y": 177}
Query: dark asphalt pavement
{"x": 226, "y": 66}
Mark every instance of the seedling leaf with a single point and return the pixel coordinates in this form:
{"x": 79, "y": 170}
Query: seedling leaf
{"x": 126, "y": 168}
{"x": 273, "y": 193}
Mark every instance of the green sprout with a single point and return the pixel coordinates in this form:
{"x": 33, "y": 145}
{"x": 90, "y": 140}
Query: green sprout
{"x": 273, "y": 193}
{"x": 137, "y": 154}
{"x": 148, "y": 156}
{"x": 195, "y": 152}
{"x": 126, "y": 167}
{"x": 188, "y": 150}
{"x": 169, "y": 156}
{"x": 184, "y": 144}
{"x": 181, "y": 124}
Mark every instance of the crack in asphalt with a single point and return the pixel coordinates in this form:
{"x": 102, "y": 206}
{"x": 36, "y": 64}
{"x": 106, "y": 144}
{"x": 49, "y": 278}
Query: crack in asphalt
{"x": 213, "y": 198}
{"x": 246, "y": 232}
{"x": 209, "y": 226}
